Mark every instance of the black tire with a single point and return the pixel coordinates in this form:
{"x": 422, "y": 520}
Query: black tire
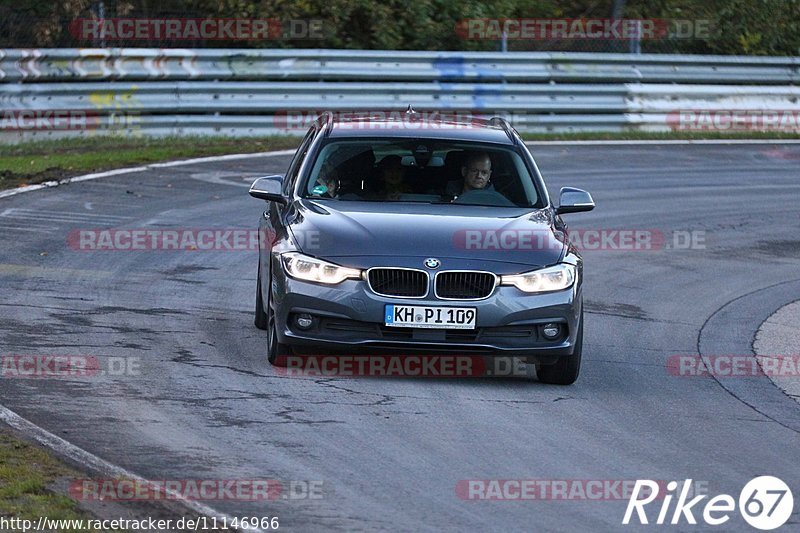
{"x": 261, "y": 316}
{"x": 277, "y": 352}
{"x": 566, "y": 370}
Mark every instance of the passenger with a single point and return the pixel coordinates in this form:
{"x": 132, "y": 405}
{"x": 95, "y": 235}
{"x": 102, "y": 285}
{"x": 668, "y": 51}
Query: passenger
{"x": 392, "y": 177}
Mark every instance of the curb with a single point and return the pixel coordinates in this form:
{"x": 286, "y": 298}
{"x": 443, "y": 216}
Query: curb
{"x": 91, "y": 462}
{"x": 777, "y": 336}
{"x": 731, "y": 329}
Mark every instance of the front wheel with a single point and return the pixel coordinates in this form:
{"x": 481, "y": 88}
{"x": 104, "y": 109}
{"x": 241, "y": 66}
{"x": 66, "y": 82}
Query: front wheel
{"x": 277, "y": 352}
{"x": 261, "y": 317}
{"x": 565, "y": 371}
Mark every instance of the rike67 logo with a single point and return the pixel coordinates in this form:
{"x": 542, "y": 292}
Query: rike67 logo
{"x": 765, "y": 503}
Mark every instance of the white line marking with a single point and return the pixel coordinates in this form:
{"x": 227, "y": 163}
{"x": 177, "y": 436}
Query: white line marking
{"x": 80, "y": 455}
{"x": 229, "y": 157}
{"x": 61, "y": 216}
{"x": 107, "y": 173}
{"x": 78, "y": 214}
{"x": 35, "y": 229}
{"x": 44, "y": 217}
{"x": 86, "y": 177}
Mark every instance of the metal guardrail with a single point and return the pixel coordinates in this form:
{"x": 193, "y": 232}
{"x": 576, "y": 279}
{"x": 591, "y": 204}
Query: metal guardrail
{"x": 269, "y": 97}
{"x": 132, "y": 91}
{"x": 139, "y": 64}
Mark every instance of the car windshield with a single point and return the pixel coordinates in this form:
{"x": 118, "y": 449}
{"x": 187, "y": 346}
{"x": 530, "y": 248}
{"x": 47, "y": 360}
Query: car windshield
{"x": 415, "y": 170}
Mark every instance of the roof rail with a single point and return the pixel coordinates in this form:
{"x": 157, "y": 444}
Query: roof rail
{"x": 507, "y": 127}
{"x": 327, "y": 117}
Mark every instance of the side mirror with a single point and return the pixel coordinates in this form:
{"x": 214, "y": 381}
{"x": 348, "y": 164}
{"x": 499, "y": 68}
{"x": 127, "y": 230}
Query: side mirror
{"x": 269, "y": 188}
{"x": 573, "y": 200}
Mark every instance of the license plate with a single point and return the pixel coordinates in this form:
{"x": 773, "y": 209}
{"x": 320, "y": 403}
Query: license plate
{"x": 421, "y": 316}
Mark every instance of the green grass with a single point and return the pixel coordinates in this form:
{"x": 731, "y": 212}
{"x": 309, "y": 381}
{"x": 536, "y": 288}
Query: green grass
{"x": 35, "y": 162}
{"x": 26, "y": 473}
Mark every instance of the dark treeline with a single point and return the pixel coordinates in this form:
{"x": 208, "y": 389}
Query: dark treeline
{"x": 754, "y": 27}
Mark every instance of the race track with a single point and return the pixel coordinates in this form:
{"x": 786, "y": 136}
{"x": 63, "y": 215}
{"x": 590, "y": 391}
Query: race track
{"x": 390, "y": 452}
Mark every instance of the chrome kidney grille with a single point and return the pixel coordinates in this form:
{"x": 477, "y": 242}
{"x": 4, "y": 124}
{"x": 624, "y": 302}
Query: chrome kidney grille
{"x": 448, "y": 284}
{"x": 464, "y": 285}
{"x": 398, "y": 282}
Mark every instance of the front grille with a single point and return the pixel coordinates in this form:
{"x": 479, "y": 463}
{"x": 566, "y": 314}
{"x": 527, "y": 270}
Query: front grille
{"x": 399, "y": 282}
{"x": 466, "y": 285}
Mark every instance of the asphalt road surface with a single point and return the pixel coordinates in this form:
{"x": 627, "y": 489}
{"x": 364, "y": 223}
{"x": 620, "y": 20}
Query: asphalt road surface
{"x": 199, "y": 400}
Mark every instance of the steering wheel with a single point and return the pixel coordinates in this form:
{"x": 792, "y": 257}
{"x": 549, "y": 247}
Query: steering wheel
{"x": 484, "y": 197}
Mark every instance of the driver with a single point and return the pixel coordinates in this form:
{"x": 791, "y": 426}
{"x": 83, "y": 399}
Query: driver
{"x": 476, "y": 171}
{"x": 327, "y": 184}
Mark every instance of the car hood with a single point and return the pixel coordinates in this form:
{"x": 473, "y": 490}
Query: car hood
{"x": 337, "y": 229}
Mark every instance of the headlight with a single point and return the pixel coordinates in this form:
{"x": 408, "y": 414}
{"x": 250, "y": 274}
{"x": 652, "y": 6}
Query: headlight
{"x": 554, "y": 278}
{"x": 307, "y": 268}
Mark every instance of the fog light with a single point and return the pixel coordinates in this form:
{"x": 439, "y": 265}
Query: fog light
{"x": 304, "y": 321}
{"x": 551, "y": 331}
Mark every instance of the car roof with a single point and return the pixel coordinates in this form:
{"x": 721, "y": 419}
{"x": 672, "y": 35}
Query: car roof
{"x": 420, "y": 125}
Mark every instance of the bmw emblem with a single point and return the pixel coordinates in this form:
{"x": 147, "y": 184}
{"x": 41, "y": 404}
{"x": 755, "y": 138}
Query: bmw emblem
{"x": 432, "y": 263}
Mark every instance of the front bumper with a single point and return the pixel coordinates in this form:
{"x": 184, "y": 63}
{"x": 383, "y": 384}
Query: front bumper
{"x": 349, "y": 317}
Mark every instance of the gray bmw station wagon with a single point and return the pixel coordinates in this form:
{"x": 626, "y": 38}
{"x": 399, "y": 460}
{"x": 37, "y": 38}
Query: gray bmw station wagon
{"x": 414, "y": 236}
